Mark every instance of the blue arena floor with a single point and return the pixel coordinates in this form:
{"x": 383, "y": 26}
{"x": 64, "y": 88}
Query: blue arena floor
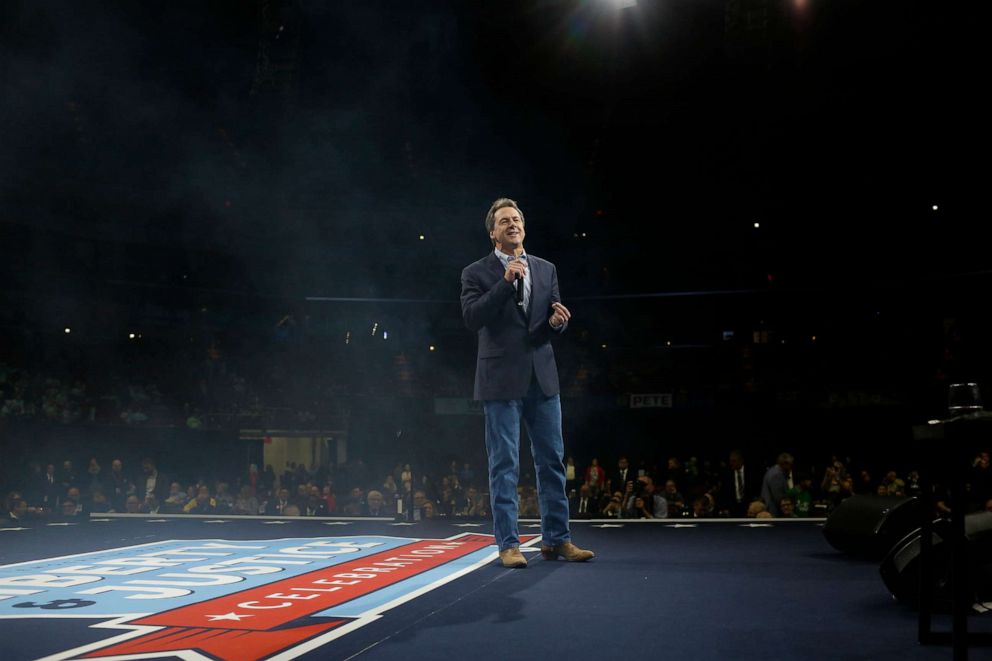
{"x": 374, "y": 590}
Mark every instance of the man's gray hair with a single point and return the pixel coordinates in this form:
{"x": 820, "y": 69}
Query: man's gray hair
{"x": 496, "y": 206}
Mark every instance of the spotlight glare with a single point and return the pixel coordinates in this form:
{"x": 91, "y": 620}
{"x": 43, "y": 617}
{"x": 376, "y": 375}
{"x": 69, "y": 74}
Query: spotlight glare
{"x": 757, "y": 225}
{"x": 130, "y": 336}
{"x": 935, "y": 207}
{"x": 432, "y": 347}
{"x": 421, "y": 237}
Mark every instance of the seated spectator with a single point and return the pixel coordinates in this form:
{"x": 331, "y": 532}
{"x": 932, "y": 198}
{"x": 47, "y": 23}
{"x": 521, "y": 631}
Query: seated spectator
{"x": 613, "y": 509}
{"x": 245, "y": 503}
{"x": 99, "y": 503}
{"x": 73, "y": 494}
{"x": 132, "y": 505}
{"x": 376, "y": 505}
{"x": 314, "y": 505}
{"x": 674, "y": 499}
{"x": 224, "y": 498}
{"x": 151, "y": 505}
{"x": 894, "y": 486}
{"x": 16, "y": 510}
{"x": 71, "y": 509}
{"x": 291, "y": 510}
{"x": 478, "y": 503}
{"x": 353, "y": 506}
{"x": 755, "y": 508}
{"x": 638, "y": 510}
{"x": 276, "y": 505}
{"x": 176, "y": 499}
{"x": 703, "y": 507}
{"x": 204, "y": 503}
{"x": 787, "y": 509}
{"x": 804, "y": 496}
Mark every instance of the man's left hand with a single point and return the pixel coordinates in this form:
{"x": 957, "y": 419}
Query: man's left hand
{"x": 560, "y": 315}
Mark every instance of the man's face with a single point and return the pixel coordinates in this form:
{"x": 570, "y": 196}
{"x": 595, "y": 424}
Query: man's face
{"x": 622, "y": 463}
{"x": 132, "y": 505}
{"x": 735, "y": 462}
{"x": 786, "y": 506}
{"x": 508, "y": 229}
{"x": 284, "y": 494}
{"x": 117, "y": 466}
{"x": 375, "y": 500}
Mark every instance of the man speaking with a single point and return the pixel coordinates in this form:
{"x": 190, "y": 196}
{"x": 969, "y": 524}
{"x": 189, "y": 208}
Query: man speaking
{"x": 511, "y": 300}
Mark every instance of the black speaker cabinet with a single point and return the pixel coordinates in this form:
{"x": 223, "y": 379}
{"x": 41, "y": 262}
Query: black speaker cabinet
{"x": 869, "y": 526}
{"x": 900, "y": 569}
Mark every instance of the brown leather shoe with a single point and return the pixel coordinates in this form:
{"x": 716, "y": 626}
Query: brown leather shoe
{"x": 568, "y": 550}
{"x": 512, "y": 558}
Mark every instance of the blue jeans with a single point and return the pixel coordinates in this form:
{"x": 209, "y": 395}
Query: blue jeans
{"x": 542, "y": 416}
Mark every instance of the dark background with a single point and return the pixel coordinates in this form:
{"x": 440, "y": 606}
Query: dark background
{"x": 194, "y": 172}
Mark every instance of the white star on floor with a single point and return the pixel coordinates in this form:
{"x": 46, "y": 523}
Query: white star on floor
{"x": 228, "y": 616}
{"x": 757, "y": 525}
{"x": 468, "y": 525}
{"x": 64, "y": 523}
{"x": 216, "y": 521}
{"x": 275, "y": 523}
{"x": 401, "y": 523}
{"x": 608, "y": 525}
{"x": 12, "y": 529}
{"x": 337, "y": 523}
{"x": 682, "y": 525}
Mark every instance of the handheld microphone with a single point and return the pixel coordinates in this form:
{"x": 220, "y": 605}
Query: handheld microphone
{"x": 519, "y": 281}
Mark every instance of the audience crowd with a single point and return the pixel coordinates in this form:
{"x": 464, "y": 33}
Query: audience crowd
{"x": 625, "y": 489}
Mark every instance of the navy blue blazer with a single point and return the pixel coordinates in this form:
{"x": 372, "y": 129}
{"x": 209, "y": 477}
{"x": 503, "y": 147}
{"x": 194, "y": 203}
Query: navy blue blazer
{"x": 511, "y": 345}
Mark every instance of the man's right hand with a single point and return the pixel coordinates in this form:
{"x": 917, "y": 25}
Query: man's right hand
{"x": 516, "y": 269}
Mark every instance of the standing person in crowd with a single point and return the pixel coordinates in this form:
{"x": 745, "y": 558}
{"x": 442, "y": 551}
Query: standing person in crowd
{"x": 777, "y": 483}
{"x": 739, "y": 485}
{"x": 511, "y": 300}
{"x": 596, "y": 478}
{"x": 621, "y": 475}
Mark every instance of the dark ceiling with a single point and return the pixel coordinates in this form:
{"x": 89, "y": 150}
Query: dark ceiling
{"x": 292, "y": 149}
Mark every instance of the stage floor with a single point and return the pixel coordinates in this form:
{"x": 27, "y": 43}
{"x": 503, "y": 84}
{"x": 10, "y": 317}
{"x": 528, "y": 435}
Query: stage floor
{"x": 376, "y": 590}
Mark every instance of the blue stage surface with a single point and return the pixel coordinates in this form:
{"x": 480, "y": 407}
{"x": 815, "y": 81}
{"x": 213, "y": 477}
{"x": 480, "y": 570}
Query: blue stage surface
{"x": 343, "y": 589}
